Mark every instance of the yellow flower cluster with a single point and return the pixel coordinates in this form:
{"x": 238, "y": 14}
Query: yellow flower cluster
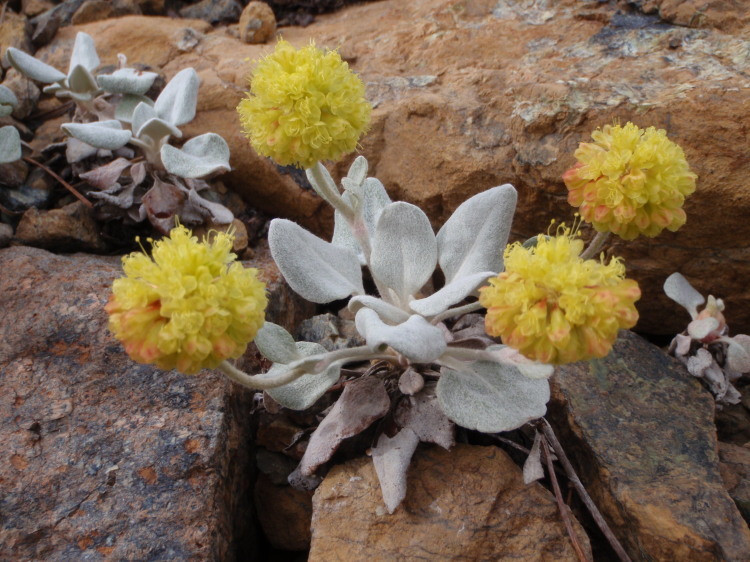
{"x": 555, "y": 307}
{"x": 630, "y": 181}
{"x": 190, "y": 307}
{"x": 304, "y": 106}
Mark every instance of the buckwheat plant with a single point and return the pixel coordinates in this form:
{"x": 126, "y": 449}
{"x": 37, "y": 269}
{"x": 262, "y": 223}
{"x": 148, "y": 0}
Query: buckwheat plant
{"x": 426, "y": 363}
{"x": 706, "y": 348}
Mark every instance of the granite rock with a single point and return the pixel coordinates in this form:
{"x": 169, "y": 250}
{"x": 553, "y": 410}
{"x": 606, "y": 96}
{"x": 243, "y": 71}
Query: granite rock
{"x": 640, "y": 430}
{"x": 71, "y": 227}
{"x": 469, "y": 503}
{"x": 470, "y": 94}
{"x": 106, "y": 458}
{"x": 284, "y": 514}
{"x": 15, "y": 31}
{"x": 735, "y": 473}
{"x": 257, "y": 23}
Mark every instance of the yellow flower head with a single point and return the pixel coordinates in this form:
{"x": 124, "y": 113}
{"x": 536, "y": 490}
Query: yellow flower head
{"x": 190, "y": 307}
{"x": 630, "y": 181}
{"x": 555, "y": 307}
{"x": 304, "y": 106}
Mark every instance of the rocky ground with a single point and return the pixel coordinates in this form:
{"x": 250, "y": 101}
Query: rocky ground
{"x": 106, "y": 459}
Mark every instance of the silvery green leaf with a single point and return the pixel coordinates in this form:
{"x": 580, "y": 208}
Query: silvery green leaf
{"x": 417, "y": 339}
{"x": 362, "y": 402}
{"x": 358, "y": 170}
{"x": 317, "y": 270}
{"x": 276, "y": 344}
{"x": 7, "y": 99}
{"x": 33, "y": 68}
{"x": 490, "y": 397}
{"x": 82, "y": 82}
{"x": 102, "y": 134}
{"x": 53, "y": 89}
{"x": 682, "y": 292}
{"x": 700, "y": 328}
{"x": 404, "y": 250}
{"x": 455, "y": 291}
{"x": 391, "y": 457}
{"x": 10, "y": 144}
{"x": 506, "y": 355}
{"x": 738, "y": 353}
{"x": 126, "y": 108}
{"x": 474, "y": 237}
{"x": 385, "y": 310}
{"x": 127, "y": 81}
{"x": 84, "y": 53}
{"x": 198, "y": 157}
{"x": 303, "y": 392}
{"x": 156, "y": 129}
{"x": 177, "y": 101}
{"x": 369, "y": 202}
{"x": 142, "y": 114}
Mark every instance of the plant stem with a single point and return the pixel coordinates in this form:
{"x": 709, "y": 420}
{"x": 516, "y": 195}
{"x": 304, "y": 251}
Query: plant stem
{"x": 465, "y": 309}
{"x": 257, "y": 382}
{"x": 325, "y": 187}
{"x": 596, "y": 244}
{"x": 65, "y": 184}
{"x": 582, "y": 493}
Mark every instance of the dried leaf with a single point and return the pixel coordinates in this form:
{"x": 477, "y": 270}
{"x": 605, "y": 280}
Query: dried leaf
{"x": 106, "y": 176}
{"x": 361, "y": 403}
{"x": 532, "y": 468}
{"x": 77, "y": 150}
{"x": 391, "y": 457}
{"x": 424, "y": 416}
{"x": 138, "y": 173}
{"x": 410, "y": 382}
{"x": 161, "y": 203}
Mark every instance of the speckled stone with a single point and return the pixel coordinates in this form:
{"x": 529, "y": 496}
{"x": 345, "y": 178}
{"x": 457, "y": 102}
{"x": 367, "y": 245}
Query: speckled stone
{"x": 641, "y": 432}
{"x": 104, "y": 458}
{"x": 469, "y": 503}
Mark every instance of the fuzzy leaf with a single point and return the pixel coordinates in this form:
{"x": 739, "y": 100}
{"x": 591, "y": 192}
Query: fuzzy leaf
{"x": 506, "y": 355}
{"x": 682, "y": 292}
{"x": 391, "y": 457}
{"x": 10, "y": 144}
{"x": 156, "y": 129}
{"x": 143, "y": 113}
{"x": 82, "y": 82}
{"x": 102, "y": 134}
{"x": 318, "y": 271}
{"x": 198, "y": 158}
{"x": 532, "y": 468}
{"x": 125, "y": 109}
{"x": 7, "y": 97}
{"x": 454, "y": 292}
{"x": 127, "y": 81}
{"x": 404, "y": 250}
{"x": 358, "y": 170}
{"x": 423, "y": 415}
{"x": 76, "y": 150}
{"x": 386, "y": 311}
{"x": 474, "y": 237}
{"x": 106, "y": 176}
{"x": 490, "y": 397}
{"x": 362, "y": 402}
{"x": 303, "y": 392}
{"x": 276, "y": 344}
{"x": 416, "y": 338}
{"x": 84, "y": 53}
{"x": 33, "y": 68}
{"x": 702, "y": 327}
{"x": 177, "y": 101}
{"x": 370, "y": 201}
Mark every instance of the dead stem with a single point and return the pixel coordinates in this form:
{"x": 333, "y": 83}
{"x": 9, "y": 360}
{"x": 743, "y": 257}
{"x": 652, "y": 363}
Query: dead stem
{"x": 561, "y": 504}
{"x": 582, "y": 493}
{"x": 67, "y": 186}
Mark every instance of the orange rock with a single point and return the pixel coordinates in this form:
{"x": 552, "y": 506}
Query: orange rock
{"x": 469, "y": 503}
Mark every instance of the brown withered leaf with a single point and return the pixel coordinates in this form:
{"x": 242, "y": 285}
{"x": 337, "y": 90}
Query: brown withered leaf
{"x": 362, "y": 402}
{"x": 391, "y": 457}
{"x": 161, "y": 203}
{"x": 106, "y": 176}
{"x": 423, "y": 415}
